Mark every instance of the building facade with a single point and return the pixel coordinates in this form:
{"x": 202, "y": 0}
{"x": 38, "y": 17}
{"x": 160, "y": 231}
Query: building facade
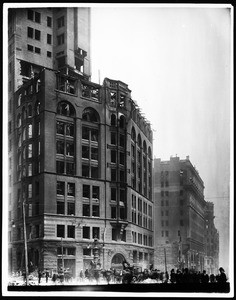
{"x": 179, "y": 212}
{"x": 211, "y": 241}
{"x": 81, "y": 153}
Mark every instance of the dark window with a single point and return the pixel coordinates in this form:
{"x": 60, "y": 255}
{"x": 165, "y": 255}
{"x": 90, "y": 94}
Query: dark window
{"x": 181, "y": 223}
{"x": 96, "y": 232}
{"x": 86, "y": 210}
{"x": 60, "y": 230}
{"x": 37, "y": 35}
{"x": 37, "y": 17}
{"x": 113, "y": 138}
{"x": 49, "y": 21}
{"x": 60, "y": 22}
{"x": 85, "y": 170}
{"x": 60, "y": 188}
{"x": 95, "y": 212}
{"x": 71, "y": 231}
{"x": 49, "y": 54}
{"x": 60, "y": 147}
{"x": 113, "y": 194}
{"x": 122, "y": 158}
{"x": 113, "y": 156}
{"x": 86, "y": 232}
{"x": 70, "y": 251}
{"x": 30, "y": 48}
{"x": 70, "y": 168}
{"x": 30, "y": 32}
{"x": 86, "y": 191}
{"x": 60, "y": 207}
{"x": 113, "y": 174}
{"x": 66, "y": 109}
{"x": 30, "y": 14}
{"x": 85, "y": 152}
{"x": 37, "y": 50}
{"x": 60, "y": 167}
{"x": 95, "y": 192}
{"x": 113, "y": 212}
{"x": 49, "y": 39}
{"x": 70, "y": 189}
{"x": 60, "y": 39}
{"x": 71, "y": 208}
{"x": 94, "y": 172}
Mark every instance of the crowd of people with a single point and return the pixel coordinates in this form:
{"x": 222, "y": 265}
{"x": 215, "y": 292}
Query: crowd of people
{"x": 130, "y": 275}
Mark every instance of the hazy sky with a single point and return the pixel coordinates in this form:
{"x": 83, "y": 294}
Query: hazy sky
{"x": 177, "y": 63}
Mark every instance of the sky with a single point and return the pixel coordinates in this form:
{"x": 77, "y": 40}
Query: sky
{"x": 177, "y": 61}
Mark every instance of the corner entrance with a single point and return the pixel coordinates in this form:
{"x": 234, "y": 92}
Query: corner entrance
{"x": 117, "y": 261}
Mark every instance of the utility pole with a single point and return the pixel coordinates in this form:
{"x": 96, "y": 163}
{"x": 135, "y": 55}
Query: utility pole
{"x": 165, "y": 259}
{"x": 62, "y": 260}
{"x": 25, "y": 240}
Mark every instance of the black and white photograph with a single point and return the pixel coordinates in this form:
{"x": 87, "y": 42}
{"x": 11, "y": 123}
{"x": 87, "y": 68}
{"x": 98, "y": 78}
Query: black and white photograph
{"x": 118, "y": 150}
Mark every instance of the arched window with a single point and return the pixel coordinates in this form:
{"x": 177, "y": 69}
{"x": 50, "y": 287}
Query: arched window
{"x": 149, "y": 153}
{"x": 144, "y": 147}
{"x": 133, "y": 134}
{"x": 122, "y": 122}
{"x": 113, "y": 120}
{"x": 90, "y": 115}
{"x": 139, "y": 141}
{"x": 90, "y": 143}
{"x": 66, "y": 109}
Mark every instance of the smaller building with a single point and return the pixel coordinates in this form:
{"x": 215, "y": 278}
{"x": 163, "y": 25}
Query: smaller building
{"x": 179, "y": 214}
{"x": 211, "y": 241}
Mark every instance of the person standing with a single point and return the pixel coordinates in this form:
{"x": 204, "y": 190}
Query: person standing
{"x": 47, "y": 275}
{"x": 222, "y": 277}
{"x": 39, "y": 276}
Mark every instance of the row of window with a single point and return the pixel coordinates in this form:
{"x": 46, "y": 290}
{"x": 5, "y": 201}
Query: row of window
{"x": 36, "y": 17}
{"x": 166, "y": 223}
{"x": 142, "y": 239}
{"x": 37, "y": 50}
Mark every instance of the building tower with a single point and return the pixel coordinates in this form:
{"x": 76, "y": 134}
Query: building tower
{"x": 180, "y": 214}
{"x": 82, "y": 152}
{"x": 211, "y": 241}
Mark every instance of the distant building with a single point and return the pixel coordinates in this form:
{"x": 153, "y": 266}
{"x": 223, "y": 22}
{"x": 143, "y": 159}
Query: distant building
{"x": 211, "y": 241}
{"x": 179, "y": 213}
{"x": 80, "y": 152}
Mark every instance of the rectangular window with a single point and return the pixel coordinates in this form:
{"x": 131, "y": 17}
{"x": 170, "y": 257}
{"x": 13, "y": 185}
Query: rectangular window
{"x": 60, "y": 167}
{"x": 49, "y": 21}
{"x": 113, "y": 138}
{"x": 95, "y": 192}
{"x": 37, "y": 35}
{"x": 95, "y": 212}
{"x": 49, "y": 39}
{"x": 30, "y": 48}
{"x": 30, "y": 169}
{"x": 30, "y": 14}
{"x": 94, "y": 172}
{"x": 60, "y": 22}
{"x": 70, "y": 149}
{"x": 37, "y": 17}
{"x": 60, "y": 188}
{"x": 71, "y": 231}
{"x": 49, "y": 54}
{"x": 71, "y": 208}
{"x": 85, "y": 170}
{"x": 94, "y": 153}
{"x": 85, "y": 152}
{"x": 29, "y": 131}
{"x": 60, "y": 207}
{"x": 86, "y": 232}
{"x": 70, "y": 168}
{"x": 113, "y": 212}
{"x": 86, "y": 191}
{"x": 167, "y": 233}
{"x": 37, "y": 50}
{"x": 86, "y": 210}
{"x": 61, "y": 231}
{"x": 113, "y": 194}
{"x": 60, "y": 39}
{"x": 71, "y": 189}
{"x": 113, "y": 174}
{"x": 71, "y": 251}
{"x": 30, "y": 32}
{"x": 96, "y": 232}
{"x": 181, "y": 223}
{"x": 113, "y": 156}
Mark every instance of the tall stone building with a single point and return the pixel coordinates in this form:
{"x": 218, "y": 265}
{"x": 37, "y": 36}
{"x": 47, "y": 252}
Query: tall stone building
{"x": 211, "y": 241}
{"x": 80, "y": 153}
{"x": 179, "y": 212}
